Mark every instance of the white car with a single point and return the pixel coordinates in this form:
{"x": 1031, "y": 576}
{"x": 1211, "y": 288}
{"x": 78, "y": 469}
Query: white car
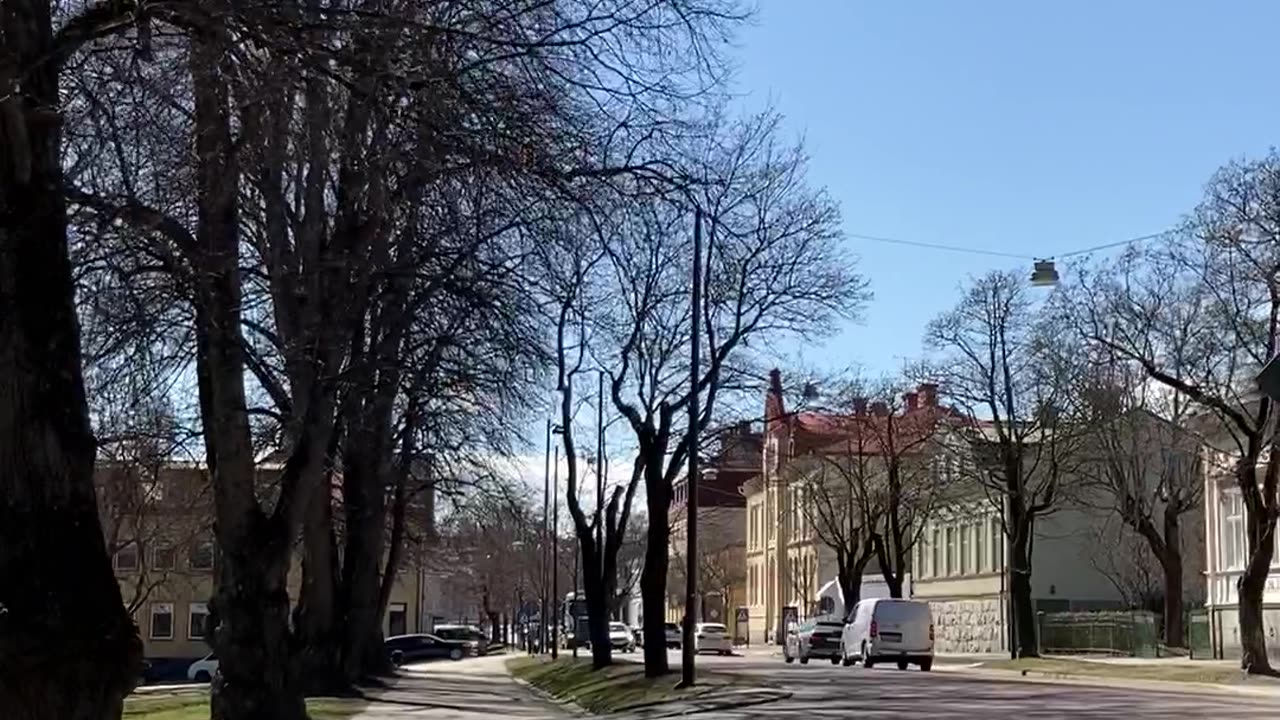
{"x": 621, "y": 637}
{"x": 884, "y": 630}
{"x": 712, "y": 637}
{"x": 203, "y": 669}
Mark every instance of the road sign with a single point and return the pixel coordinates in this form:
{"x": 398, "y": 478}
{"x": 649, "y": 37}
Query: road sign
{"x": 743, "y": 614}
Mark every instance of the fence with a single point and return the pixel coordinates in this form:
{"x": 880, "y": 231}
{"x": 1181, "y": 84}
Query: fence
{"x": 1132, "y": 633}
{"x": 1199, "y": 634}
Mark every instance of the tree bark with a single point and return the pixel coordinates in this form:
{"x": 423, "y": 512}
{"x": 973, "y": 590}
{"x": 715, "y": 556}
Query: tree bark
{"x": 1024, "y": 612}
{"x": 68, "y": 648}
{"x": 653, "y": 581}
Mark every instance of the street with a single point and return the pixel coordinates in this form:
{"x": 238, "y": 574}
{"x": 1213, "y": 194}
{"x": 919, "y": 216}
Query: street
{"x": 822, "y": 690}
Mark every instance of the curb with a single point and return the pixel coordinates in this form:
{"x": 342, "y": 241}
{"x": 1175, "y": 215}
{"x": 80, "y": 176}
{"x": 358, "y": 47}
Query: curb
{"x": 679, "y": 708}
{"x": 1050, "y": 678}
{"x": 568, "y": 706}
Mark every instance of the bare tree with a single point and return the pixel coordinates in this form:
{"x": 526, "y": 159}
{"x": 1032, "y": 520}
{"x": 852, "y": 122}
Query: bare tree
{"x": 1011, "y": 378}
{"x": 1141, "y": 461}
{"x": 1199, "y": 313}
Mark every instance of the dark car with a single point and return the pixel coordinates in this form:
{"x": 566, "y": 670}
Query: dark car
{"x": 469, "y": 635}
{"x": 814, "y": 639}
{"x": 410, "y": 648}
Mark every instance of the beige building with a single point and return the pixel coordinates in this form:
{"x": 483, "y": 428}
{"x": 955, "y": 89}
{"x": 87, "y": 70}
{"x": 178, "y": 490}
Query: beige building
{"x": 157, "y": 523}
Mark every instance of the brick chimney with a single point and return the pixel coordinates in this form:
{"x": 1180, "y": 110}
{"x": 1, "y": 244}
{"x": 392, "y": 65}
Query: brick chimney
{"x": 880, "y": 409}
{"x": 928, "y": 394}
{"x": 859, "y": 406}
{"x": 910, "y": 401}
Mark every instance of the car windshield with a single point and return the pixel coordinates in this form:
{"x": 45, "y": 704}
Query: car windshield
{"x": 712, "y": 628}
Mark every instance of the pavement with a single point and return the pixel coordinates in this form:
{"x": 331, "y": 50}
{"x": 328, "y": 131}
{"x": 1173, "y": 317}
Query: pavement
{"x": 481, "y": 688}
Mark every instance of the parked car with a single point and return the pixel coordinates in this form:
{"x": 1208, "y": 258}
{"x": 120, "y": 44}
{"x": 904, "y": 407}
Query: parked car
{"x": 674, "y": 638}
{"x": 203, "y": 669}
{"x": 621, "y": 638}
{"x": 472, "y": 636}
{"x": 712, "y": 637}
{"x": 884, "y": 630}
{"x": 639, "y": 636}
{"x": 819, "y": 638}
{"x": 402, "y": 649}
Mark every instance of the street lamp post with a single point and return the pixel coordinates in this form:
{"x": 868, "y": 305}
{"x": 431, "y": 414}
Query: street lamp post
{"x": 555, "y": 556}
{"x": 546, "y": 497}
{"x": 688, "y": 649}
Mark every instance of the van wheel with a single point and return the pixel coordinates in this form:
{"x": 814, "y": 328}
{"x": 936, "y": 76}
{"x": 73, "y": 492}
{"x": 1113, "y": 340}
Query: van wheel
{"x": 804, "y": 659}
{"x": 835, "y": 660}
{"x": 867, "y": 662}
{"x": 902, "y": 664}
{"x": 926, "y": 665}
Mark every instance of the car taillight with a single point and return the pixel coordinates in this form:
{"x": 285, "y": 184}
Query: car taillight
{"x": 930, "y": 632}
{"x": 874, "y": 628}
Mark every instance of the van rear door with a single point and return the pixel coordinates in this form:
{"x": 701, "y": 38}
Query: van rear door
{"x": 904, "y": 624}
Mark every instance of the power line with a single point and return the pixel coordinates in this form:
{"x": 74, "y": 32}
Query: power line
{"x": 997, "y": 253}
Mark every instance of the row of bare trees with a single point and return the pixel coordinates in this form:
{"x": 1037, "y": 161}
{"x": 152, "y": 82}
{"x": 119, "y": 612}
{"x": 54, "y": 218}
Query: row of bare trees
{"x": 337, "y": 221}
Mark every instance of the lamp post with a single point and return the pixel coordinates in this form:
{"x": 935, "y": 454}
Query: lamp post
{"x": 545, "y": 546}
{"x": 555, "y": 555}
{"x": 688, "y": 651}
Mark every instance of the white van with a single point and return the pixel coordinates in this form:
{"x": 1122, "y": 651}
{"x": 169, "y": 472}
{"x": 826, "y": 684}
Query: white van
{"x": 885, "y": 630}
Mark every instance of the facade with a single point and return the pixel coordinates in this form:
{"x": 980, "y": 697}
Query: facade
{"x": 158, "y": 527}
{"x": 788, "y": 563}
{"x": 1226, "y": 552}
{"x": 722, "y": 534}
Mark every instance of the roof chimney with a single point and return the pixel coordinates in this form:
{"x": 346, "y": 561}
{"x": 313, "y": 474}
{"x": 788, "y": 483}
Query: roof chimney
{"x": 928, "y": 394}
{"x": 859, "y": 406}
{"x": 880, "y": 409}
{"x": 910, "y": 400}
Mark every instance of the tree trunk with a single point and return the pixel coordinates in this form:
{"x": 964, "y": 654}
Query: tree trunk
{"x": 68, "y": 648}
{"x": 1024, "y": 613}
{"x": 653, "y": 585}
{"x": 1171, "y": 564}
{"x": 320, "y": 658}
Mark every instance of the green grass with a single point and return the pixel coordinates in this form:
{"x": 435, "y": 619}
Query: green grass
{"x": 621, "y": 686}
{"x": 1168, "y": 672}
{"x": 189, "y": 705}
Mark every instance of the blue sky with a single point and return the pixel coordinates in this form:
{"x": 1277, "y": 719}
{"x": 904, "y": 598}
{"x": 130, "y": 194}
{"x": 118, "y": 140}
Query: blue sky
{"x": 1032, "y": 128}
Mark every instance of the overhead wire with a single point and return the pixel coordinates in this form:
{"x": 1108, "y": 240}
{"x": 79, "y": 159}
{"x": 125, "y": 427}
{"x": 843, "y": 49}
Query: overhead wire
{"x": 998, "y": 253}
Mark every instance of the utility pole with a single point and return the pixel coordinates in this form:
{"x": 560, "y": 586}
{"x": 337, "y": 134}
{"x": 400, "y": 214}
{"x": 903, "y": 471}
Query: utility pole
{"x": 555, "y": 555}
{"x": 577, "y": 638}
{"x": 688, "y": 649}
{"x": 600, "y": 475}
{"x": 546, "y": 496}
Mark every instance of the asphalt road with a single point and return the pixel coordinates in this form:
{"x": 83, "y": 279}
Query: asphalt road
{"x": 822, "y": 690}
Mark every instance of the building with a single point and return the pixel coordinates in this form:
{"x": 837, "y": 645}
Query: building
{"x": 722, "y": 530}
{"x": 158, "y": 526}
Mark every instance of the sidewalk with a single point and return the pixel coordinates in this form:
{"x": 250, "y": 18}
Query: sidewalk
{"x": 474, "y": 689}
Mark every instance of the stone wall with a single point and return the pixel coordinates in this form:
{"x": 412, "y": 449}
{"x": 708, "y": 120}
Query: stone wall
{"x": 967, "y": 626}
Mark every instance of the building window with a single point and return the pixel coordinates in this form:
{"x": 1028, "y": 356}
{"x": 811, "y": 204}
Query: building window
{"x": 397, "y": 619}
{"x": 1233, "y": 548}
{"x": 935, "y": 567}
{"x": 163, "y": 556}
{"x": 127, "y": 557}
{"x": 202, "y": 555}
{"x": 952, "y": 566}
{"x": 198, "y": 620}
{"x": 161, "y": 621}
{"x": 966, "y": 564}
{"x": 983, "y": 559}
{"x": 997, "y": 545}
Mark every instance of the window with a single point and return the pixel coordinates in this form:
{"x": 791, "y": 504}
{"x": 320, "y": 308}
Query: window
{"x": 161, "y": 621}
{"x": 935, "y": 568}
{"x": 952, "y": 566}
{"x": 966, "y": 564}
{"x": 1232, "y": 544}
{"x": 997, "y": 545}
{"x": 198, "y": 622}
{"x": 397, "y": 619}
{"x": 982, "y": 561}
{"x": 202, "y": 555}
{"x": 127, "y": 556}
{"x": 163, "y": 556}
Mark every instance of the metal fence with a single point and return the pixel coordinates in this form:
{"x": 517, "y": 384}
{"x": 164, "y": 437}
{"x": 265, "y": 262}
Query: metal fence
{"x": 1199, "y": 634}
{"x": 1134, "y": 633}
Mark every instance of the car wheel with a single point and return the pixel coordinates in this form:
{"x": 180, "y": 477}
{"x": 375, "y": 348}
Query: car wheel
{"x": 202, "y": 677}
{"x": 926, "y": 665}
{"x": 455, "y": 654}
{"x": 835, "y": 659}
{"x": 902, "y": 664}
{"x": 397, "y": 658}
{"x": 804, "y": 659}
{"x": 787, "y": 657}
